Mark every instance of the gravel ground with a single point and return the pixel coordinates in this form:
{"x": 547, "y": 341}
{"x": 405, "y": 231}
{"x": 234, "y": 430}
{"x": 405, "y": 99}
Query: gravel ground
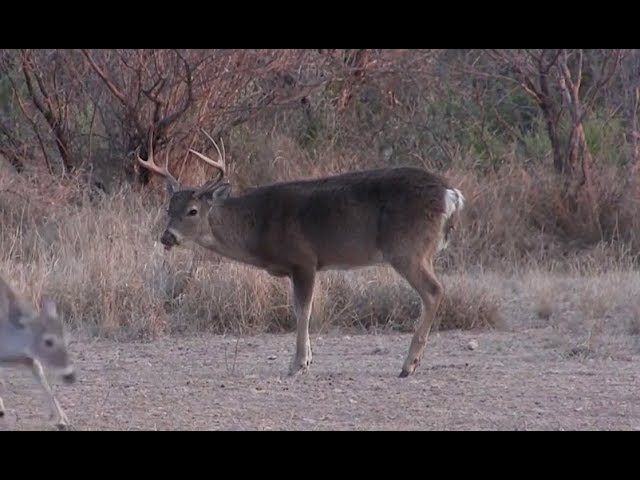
{"x": 524, "y": 380}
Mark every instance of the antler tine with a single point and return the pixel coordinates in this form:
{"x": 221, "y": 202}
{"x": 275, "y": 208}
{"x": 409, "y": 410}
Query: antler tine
{"x": 221, "y": 155}
{"x": 151, "y": 165}
{"x": 217, "y": 164}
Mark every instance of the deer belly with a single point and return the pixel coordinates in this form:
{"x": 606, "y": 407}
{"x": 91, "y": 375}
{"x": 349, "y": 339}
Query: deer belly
{"x": 359, "y": 259}
{"x": 277, "y": 271}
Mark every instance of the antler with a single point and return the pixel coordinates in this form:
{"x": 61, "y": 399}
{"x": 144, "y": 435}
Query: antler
{"x": 220, "y": 165}
{"x": 151, "y": 165}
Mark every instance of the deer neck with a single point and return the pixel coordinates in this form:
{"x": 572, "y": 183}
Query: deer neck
{"x": 227, "y": 233}
{"x": 16, "y": 343}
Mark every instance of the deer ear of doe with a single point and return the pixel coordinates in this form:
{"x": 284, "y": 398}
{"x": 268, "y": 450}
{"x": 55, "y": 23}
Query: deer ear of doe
{"x": 49, "y": 307}
{"x": 21, "y": 317}
{"x": 215, "y": 193}
{"x": 18, "y": 320}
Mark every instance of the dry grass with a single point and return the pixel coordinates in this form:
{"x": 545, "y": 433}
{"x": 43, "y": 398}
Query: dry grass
{"x": 100, "y": 259}
{"x": 586, "y": 308}
{"x": 470, "y": 303}
{"x": 517, "y": 217}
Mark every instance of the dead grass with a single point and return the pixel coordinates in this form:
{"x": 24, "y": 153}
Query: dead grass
{"x": 586, "y": 308}
{"x": 518, "y": 217}
{"x": 100, "y": 259}
{"x": 102, "y": 263}
{"x": 470, "y": 304}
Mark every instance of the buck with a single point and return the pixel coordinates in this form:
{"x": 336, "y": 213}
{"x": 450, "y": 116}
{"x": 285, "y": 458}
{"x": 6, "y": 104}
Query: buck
{"x": 30, "y": 338}
{"x": 398, "y": 216}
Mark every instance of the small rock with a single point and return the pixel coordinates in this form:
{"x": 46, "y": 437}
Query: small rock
{"x": 472, "y": 345}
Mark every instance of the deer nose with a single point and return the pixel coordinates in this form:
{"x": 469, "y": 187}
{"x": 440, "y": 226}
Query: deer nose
{"x": 69, "y": 378}
{"x": 168, "y": 239}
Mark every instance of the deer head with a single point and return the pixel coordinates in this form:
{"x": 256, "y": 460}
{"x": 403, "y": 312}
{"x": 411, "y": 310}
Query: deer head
{"x": 50, "y": 341}
{"x": 188, "y": 207}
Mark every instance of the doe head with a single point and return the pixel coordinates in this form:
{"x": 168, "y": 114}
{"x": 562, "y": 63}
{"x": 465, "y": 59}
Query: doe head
{"x": 50, "y": 343}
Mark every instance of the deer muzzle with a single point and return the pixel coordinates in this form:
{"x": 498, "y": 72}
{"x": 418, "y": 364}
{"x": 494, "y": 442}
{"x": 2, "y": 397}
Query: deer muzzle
{"x": 168, "y": 239}
{"x": 69, "y": 378}
{"x": 69, "y": 375}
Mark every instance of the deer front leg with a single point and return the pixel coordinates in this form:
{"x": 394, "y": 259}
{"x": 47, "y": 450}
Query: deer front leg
{"x": 57, "y": 413}
{"x": 302, "y": 286}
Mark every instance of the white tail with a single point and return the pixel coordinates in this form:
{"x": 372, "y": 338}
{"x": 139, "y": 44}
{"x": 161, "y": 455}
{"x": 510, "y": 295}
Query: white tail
{"x": 454, "y": 201}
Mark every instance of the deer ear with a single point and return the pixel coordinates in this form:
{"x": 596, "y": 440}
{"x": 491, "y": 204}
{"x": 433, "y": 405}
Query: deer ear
{"x": 49, "y": 307}
{"x": 21, "y": 319}
{"x": 216, "y": 194}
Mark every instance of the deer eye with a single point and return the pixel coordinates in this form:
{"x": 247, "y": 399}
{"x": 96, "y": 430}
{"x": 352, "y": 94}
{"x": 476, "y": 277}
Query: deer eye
{"x": 48, "y": 342}
{"x": 193, "y": 212}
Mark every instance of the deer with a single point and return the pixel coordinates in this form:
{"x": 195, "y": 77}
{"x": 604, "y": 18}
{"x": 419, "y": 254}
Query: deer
{"x": 32, "y": 338}
{"x": 395, "y": 216}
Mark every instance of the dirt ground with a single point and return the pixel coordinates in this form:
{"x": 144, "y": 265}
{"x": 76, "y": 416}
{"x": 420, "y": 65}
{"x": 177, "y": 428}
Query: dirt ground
{"x": 519, "y": 380}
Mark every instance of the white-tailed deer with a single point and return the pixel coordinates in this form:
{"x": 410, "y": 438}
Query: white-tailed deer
{"x": 30, "y": 339}
{"x": 397, "y": 216}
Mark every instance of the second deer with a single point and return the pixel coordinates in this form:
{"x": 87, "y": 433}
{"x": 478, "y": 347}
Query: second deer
{"x": 30, "y": 338}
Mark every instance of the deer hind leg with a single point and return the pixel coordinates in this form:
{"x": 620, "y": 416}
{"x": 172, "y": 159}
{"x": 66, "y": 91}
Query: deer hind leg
{"x": 419, "y": 274}
{"x": 302, "y": 286}
{"x": 57, "y": 413}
